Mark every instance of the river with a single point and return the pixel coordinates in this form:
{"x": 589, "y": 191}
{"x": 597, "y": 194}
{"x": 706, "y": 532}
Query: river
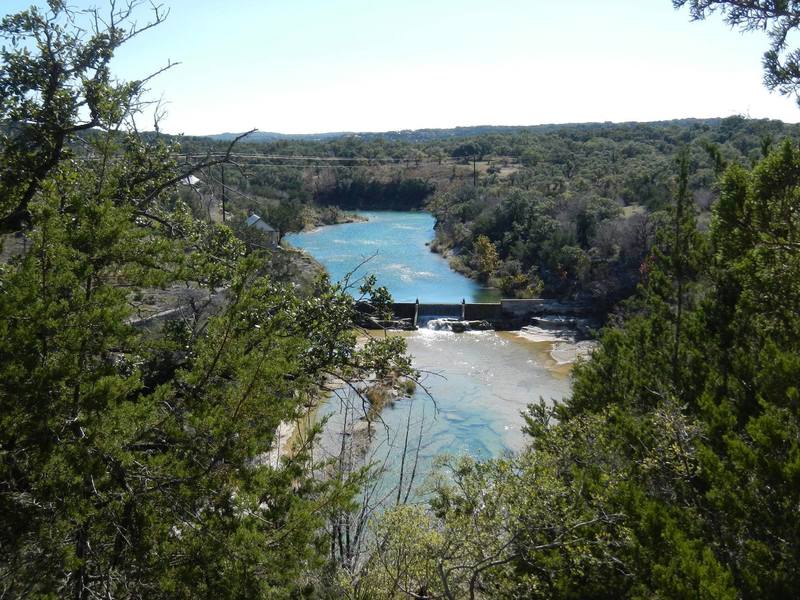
{"x": 394, "y": 246}
{"x": 474, "y": 385}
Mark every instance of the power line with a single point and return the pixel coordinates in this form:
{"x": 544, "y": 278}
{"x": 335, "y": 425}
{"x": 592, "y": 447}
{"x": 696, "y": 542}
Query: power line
{"x": 338, "y": 159}
{"x": 253, "y": 163}
{"x": 285, "y": 166}
{"x": 314, "y": 162}
{"x": 299, "y": 157}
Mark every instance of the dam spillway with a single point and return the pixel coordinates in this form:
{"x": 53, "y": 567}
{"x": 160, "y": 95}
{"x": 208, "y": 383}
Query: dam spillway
{"x": 505, "y": 314}
{"x": 474, "y": 385}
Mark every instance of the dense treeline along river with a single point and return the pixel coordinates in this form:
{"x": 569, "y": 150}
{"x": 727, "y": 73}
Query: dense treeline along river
{"x": 475, "y": 384}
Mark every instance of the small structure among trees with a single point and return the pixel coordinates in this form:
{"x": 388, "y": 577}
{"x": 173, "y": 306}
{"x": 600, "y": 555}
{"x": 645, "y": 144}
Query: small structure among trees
{"x": 269, "y": 233}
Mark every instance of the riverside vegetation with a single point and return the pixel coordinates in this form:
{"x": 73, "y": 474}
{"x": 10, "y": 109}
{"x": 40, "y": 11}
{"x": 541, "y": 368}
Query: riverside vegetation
{"x": 561, "y": 211}
{"x": 128, "y": 461}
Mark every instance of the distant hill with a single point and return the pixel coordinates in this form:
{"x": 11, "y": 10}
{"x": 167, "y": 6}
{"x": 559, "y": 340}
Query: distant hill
{"x": 271, "y": 136}
{"x": 425, "y": 135}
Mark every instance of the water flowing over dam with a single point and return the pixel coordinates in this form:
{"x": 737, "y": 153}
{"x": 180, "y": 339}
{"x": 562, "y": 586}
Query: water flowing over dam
{"x": 474, "y": 385}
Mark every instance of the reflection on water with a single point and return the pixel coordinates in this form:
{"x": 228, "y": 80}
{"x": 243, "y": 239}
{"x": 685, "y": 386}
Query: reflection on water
{"x": 395, "y": 245}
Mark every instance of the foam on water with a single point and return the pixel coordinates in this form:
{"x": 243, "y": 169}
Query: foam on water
{"x": 474, "y": 385}
{"x": 395, "y": 244}
{"x": 479, "y": 384}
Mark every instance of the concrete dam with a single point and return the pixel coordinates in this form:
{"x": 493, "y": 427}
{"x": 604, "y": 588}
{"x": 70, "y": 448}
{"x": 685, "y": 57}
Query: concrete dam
{"x": 505, "y": 314}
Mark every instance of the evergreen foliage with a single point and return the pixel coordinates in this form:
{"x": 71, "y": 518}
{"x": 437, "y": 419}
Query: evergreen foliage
{"x": 146, "y": 464}
{"x": 672, "y": 471}
{"x": 571, "y": 209}
{"x": 137, "y": 463}
{"x": 362, "y": 193}
{"x": 779, "y": 18}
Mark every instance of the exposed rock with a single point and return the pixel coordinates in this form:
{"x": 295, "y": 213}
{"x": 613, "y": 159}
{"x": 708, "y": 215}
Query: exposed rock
{"x": 553, "y": 322}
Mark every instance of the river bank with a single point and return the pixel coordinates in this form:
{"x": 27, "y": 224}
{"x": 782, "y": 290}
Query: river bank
{"x": 473, "y": 386}
{"x": 320, "y": 216}
{"x": 391, "y": 245}
{"x": 473, "y": 389}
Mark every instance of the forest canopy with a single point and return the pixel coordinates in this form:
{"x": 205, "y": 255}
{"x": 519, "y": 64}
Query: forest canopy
{"x": 141, "y": 463}
{"x": 146, "y": 462}
{"x": 571, "y": 210}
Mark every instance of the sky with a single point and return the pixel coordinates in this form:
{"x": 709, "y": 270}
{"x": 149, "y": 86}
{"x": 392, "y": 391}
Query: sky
{"x": 311, "y": 66}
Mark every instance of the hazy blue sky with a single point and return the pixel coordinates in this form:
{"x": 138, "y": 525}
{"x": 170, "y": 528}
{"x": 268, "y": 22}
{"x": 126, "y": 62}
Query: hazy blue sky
{"x": 373, "y": 65}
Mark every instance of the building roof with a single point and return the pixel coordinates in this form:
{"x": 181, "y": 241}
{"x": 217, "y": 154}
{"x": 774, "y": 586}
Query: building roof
{"x": 255, "y": 220}
{"x": 191, "y": 180}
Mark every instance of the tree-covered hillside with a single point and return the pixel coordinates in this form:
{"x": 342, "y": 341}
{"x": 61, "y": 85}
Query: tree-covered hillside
{"x": 139, "y": 463}
{"x": 570, "y": 211}
{"x": 673, "y": 471}
{"x": 148, "y": 463}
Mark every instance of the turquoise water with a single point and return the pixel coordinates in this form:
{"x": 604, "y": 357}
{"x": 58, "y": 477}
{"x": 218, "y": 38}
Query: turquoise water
{"x": 393, "y": 244}
{"x": 473, "y": 386}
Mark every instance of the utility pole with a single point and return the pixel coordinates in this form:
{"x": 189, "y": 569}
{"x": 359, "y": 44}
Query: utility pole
{"x": 474, "y": 172}
{"x": 222, "y": 166}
